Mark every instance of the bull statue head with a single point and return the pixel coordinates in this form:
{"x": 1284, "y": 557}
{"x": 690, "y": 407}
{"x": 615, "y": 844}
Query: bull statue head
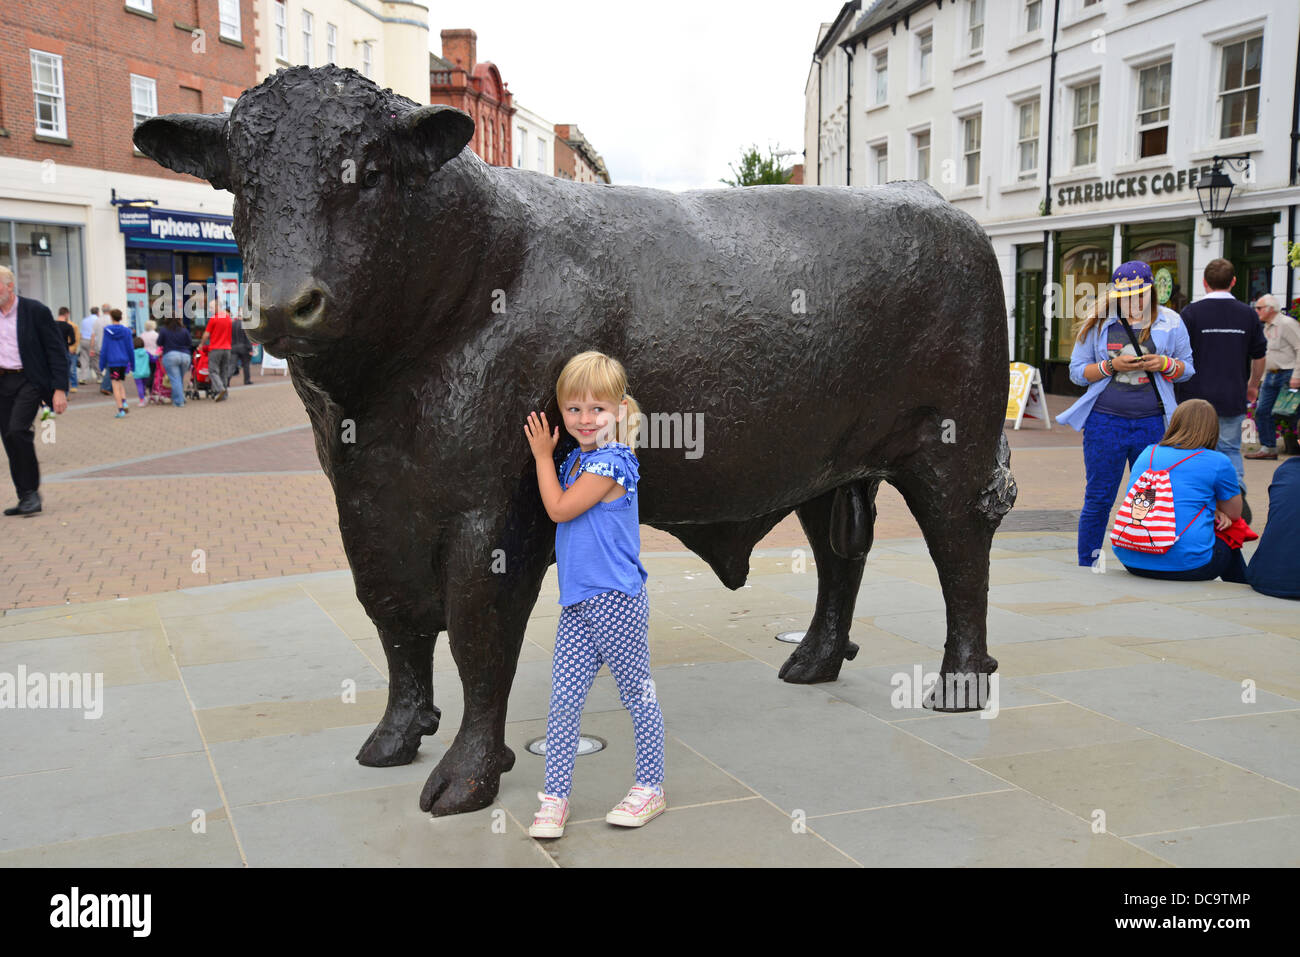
{"x": 328, "y": 171}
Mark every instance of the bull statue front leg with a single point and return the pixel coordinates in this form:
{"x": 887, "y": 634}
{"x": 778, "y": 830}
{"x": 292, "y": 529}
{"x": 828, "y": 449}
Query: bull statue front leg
{"x": 494, "y": 563}
{"x": 395, "y": 584}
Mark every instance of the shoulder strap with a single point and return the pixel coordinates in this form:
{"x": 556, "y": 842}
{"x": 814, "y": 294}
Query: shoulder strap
{"x": 1137, "y": 348}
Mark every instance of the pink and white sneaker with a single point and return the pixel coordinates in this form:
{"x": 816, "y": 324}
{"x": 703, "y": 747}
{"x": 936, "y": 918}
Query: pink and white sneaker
{"x": 641, "y": 806}
{"x": 550, "y": 817}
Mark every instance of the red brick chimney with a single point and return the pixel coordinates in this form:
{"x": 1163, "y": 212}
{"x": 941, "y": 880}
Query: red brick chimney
{"x": 460, "y": 47}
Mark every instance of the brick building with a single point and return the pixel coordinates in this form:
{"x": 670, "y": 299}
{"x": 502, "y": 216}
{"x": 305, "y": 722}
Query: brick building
{"x": 76, "y": 77}
{"x": 575, "y": 158}
{"x": 458, "y": 79}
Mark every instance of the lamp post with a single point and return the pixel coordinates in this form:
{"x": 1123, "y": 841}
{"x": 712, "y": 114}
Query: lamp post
{"x": 1215, "y": 192}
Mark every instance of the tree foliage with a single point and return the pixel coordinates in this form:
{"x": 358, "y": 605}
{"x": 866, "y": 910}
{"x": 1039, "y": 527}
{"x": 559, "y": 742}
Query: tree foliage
{"x": 758, "y": 170}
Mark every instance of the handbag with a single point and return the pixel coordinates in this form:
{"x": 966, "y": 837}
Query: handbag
{"x": 1287, "y": 404}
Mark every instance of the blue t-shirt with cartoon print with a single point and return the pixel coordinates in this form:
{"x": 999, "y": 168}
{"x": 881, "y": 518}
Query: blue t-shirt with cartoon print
{"x": 600, "y": 550}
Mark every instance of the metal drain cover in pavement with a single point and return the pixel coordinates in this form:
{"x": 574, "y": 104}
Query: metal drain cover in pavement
{"x": 586, "y": 745}
{"x": 1040, "y": 520}
{"x": 793, "y": 637}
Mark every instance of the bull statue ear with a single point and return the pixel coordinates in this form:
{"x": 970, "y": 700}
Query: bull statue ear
{"x": 441, "y": 132}
{"x": 193, "y": 143}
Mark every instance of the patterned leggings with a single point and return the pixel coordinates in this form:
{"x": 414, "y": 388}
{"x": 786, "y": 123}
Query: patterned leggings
{"x": 609, "y": 628}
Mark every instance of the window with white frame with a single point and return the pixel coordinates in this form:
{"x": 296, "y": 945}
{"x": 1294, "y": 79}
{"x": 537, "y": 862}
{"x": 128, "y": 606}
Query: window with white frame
{"x": 143, "y": 5}
{"x": 47, "y": 86}
{"x": 1087, "y": 104}
{"x": 974, "y": 27}
{"x": 541, "y": 155}
{"x": 921, "y": 154}
{"x": 880, "y": 70}
{"x": 880, "y": 163}
{"x": 1027, "y": 117}
{"x": 1033, "y": 15}
{"x": 308, "y": 25}
{"x": 228, "y": 102}
{"x": 228, "y": 13}
{"x": 331, "y": 43}
{"x": 281, "y": 13}
{"x": 924, "y": 57}
{"x": 1153, "y": 109}
{"x": 144, "y": 98}
{"x": 367, "y": 59}
{"x": 971, "y": 135}
{"x": 521, "y": 146}
{"x": 1239, "y": 74}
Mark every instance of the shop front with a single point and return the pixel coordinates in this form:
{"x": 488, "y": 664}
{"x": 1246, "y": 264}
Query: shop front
{"x": 48, "y": 262}
{"x": 176, "y": 262}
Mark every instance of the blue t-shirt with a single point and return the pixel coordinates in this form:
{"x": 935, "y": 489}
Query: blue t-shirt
{"x": 600, "y": 550}
{"x": 1199, "y": 482}
{"x": 1275, "y": 567}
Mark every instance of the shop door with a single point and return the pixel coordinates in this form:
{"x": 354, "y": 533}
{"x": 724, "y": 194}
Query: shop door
{"x": 1029, "y": 317}
{"x": 1250, "y": 250}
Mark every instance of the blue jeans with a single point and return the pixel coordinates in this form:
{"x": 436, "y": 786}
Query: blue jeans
{"x": 72, "y": 370}
{"x": 1225, "y": 563}
{"x": 1269, "y": 387}
{"x": 1230, "y": 444}
{"x": 176, "y": 364}
{"x": 1108, "y": 442}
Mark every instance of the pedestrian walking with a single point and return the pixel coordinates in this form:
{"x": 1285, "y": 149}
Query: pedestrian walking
{"x": 70, "y": 337}
{"x": 140, "y": 368}
{"x": 87, "y": 353}
{"x": 32, "y": 371}
{"x": 605, "y": 610}
{"x": 1281, "y": 370}
{"x": 216, "y": 336}
{"x": 150, "y": 337}
{"x": 101, "y": 324}
{"x": 176, "y": 344}
{"x": 116, "y": 357}
{"x": 241, "y": 350}
{"x": 1129, "y": 397}
{"x": 1228, "y": 348}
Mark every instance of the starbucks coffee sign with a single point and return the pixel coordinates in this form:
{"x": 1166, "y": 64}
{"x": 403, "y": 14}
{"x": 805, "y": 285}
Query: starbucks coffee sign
{"x": 1133, "y": 187}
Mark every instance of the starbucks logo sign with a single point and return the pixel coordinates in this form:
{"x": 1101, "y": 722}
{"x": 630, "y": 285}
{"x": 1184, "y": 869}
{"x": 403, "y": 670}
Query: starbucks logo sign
{"x": 1164, "y": 284}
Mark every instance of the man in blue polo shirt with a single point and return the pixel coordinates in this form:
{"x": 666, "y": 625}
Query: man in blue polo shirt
{"x": 1228, "y": 347}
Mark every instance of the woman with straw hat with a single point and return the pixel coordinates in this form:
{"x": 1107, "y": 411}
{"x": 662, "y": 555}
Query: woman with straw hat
{"x": 1128, "y": 353}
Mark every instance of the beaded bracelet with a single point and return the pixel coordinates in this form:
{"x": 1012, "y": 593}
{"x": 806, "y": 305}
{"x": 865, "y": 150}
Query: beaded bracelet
{"x": 1101, "y": 367}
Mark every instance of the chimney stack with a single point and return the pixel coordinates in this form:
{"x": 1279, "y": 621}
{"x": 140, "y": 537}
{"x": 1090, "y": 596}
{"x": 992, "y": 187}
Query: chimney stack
{"x": 459, "y": 47}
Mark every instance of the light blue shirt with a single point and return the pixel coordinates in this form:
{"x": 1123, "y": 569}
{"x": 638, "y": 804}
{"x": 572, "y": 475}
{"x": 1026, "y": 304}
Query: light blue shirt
{"x": 599, "y": 550}
{"x": 1170, "y": 338}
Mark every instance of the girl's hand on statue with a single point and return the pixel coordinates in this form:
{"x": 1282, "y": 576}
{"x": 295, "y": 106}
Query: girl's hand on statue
{"x": 540, "y": 439}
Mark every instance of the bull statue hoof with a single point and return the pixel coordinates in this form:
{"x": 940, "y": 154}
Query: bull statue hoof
{"x": 807, "y": 666}
{"x": 465, "y": 779}
{"x": 396, "y": 739}
{"x": 964, "y": 688}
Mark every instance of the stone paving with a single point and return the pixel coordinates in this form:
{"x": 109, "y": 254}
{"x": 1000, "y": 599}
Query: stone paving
{"x": 1139, "y": 723}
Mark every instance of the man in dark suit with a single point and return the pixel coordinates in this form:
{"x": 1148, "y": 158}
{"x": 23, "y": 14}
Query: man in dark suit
{"x": 33, "y": 369}
{"x": 1228, "y": 350}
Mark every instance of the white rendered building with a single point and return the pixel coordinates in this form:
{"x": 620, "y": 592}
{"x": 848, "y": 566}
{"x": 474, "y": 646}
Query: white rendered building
{"x": 1079, "y": 144}
{"x": 533, "y": 141}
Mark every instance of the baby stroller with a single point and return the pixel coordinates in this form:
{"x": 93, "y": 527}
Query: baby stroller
{"x": 159, "y": 393}
{"x": 199, "y": 381}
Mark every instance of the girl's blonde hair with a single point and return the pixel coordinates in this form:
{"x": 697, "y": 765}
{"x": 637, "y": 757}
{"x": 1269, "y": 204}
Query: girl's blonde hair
{"x": 606, "y": 380}
{"x": 1194, "y": 425}
{"x": 1100, "y": 309}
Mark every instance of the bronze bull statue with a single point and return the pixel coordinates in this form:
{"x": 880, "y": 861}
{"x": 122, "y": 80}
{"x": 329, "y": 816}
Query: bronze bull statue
{"x": 829, "y": 337}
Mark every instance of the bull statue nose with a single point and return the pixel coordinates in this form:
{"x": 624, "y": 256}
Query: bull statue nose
{"x": 299, "y": 314}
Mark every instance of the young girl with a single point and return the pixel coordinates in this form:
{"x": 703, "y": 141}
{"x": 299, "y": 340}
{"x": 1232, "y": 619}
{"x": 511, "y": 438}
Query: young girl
{"x": 141, "y": 370}
{"x": 605, "y": 612}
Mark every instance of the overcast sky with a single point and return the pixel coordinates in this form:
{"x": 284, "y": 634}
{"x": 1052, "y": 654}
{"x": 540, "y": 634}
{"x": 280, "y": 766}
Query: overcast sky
{"x": 667, "y": 92}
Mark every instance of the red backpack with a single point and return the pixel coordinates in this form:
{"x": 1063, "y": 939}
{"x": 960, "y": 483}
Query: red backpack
{"x": 1145, "y": 522}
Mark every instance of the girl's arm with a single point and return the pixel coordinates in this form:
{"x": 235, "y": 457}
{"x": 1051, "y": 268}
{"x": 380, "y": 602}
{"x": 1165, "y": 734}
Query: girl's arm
{"x": 560, "y": 505}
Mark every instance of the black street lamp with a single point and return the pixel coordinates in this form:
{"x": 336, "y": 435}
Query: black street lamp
{"x": 1215, "y": 192}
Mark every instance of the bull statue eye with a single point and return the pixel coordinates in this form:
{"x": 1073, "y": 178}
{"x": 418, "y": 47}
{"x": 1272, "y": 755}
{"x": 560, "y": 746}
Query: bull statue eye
{"x": 370, "y": 178}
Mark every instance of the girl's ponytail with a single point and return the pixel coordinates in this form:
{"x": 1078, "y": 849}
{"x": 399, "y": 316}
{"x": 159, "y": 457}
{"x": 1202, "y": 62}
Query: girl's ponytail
{"x": 630, "y": 428}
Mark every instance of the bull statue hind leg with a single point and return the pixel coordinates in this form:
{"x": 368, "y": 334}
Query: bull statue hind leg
{"x": 958, "y": 506}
